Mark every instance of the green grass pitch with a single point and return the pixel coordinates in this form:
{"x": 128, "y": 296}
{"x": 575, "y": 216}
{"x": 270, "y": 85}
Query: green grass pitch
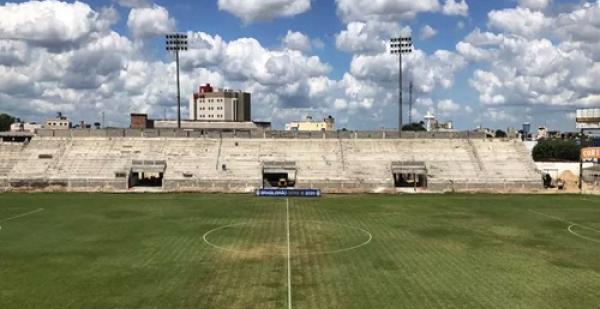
{"x": 231, "y": 251}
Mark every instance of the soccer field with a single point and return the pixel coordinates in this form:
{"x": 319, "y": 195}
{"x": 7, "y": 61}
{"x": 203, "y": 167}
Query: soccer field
{"x": 239, "y": 251}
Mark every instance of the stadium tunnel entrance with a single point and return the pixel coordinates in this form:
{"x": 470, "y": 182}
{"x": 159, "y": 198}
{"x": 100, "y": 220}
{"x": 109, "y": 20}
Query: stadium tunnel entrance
{"x": 279, "y": 175}
{"x": 409, "y": 174}
{"x": 147, "y": 174}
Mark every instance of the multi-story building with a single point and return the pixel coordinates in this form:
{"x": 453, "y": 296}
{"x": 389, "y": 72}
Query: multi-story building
{"x": 60, "y": 122}
{"x": 220, "y": 105}
{"x": 328, "y": 124}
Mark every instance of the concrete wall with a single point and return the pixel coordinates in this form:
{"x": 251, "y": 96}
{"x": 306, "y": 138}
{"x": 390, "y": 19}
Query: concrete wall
{"x": 245, "y": 132}
{"x": 566, "y": 171}
{"x": 226, "y": 162}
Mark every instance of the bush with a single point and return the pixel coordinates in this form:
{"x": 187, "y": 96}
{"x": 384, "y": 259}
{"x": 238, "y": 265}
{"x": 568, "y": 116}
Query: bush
{"x": 414, "y": 127}
{"x": 500, "y": 134}
{"x": 556, "y": 151}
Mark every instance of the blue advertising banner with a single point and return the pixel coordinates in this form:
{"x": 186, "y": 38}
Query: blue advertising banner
{"x": 288, "y": 192}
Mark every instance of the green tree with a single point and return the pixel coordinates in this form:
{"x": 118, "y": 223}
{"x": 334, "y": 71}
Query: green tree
{"x": 5, "y": 122}
{"x": 415, "y": 126}
{"x": 556, "y": 151}
{"x": 500, "y": 134}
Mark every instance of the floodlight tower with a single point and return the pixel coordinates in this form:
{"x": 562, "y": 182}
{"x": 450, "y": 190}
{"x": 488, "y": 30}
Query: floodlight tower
{"x": 410, "y": 102}
{"x": 177, "y": 42}
{"x": 399, "y": 46}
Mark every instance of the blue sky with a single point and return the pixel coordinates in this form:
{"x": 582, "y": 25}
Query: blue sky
{"x": 490, "y": 63}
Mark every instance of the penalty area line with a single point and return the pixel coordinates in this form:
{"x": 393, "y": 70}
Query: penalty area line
{"x": 21, "y": 216}
{"x": 571, "y": 226}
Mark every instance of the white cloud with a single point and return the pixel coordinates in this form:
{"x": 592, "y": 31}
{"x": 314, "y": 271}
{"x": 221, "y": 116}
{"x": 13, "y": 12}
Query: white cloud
{"x": 383, "y": 10}
{"x": 147, "y": 22}
{"x": 133, "y": 3}
{"x": 456, "y": 7}
{"x": 13, "y": 53}
{"x": 448, "y": 107}
{"x": 519, "y": 21}
{"x": 427, "y": 32}
{"x": 297, "y": 41}
{"x": 53, "y": 24}
{"x": 428, "y": 72}
{"x": 579, "y": 29}
{"x": 534, "y": 4}
{"x": 340, "y": 104}
{"x": 535, "y": 69}
{"x": 261, "y": 10}
{"x": 473, "y": 53}
{"x": 368, "y": 37}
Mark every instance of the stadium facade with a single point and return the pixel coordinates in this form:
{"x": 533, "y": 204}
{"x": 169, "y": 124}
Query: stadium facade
{"x": 126, "y": 160}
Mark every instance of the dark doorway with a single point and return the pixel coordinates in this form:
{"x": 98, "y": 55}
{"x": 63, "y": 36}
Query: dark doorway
{"x": 277, "y": 180}
{"x": 404, "y": 180}
{"x": 145, "y": 179}
{"x": 409, "y": 174}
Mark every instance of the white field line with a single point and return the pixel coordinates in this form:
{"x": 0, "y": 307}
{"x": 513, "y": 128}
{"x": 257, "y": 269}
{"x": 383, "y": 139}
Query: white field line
{"x": 581, "y": 236}
{"x": 571, "y": 226}
{"x": 21, "y": 215}
{"x": 289, "y": 267}
{"x": 224, "y": 227}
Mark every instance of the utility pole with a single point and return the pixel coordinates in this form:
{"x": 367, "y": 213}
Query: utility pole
{"x": 175, "y": 43}
{"x": 410, "y": 103}
{"x": 399, "y": 46}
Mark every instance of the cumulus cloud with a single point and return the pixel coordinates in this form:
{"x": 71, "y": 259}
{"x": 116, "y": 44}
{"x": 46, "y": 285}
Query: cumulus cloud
{"x": 519, "y": 21}
{"x": 53, "y": 24}
{"x": 147, "y": 22}
{"x": 297, "y": 41}
{"x": 544, "y": 67}
{"x": 133, "y": 3}
{"x": 262, "y": 10}
{"x": 427, "y": 32}
{"x": 456, "y": 7}
{"x": 368, "y": 37}
{"x": 383, "y": 10}
{"x": 448, "y": 107}
{"x": 534, "y": 4}
{"x": 372, "y": 77}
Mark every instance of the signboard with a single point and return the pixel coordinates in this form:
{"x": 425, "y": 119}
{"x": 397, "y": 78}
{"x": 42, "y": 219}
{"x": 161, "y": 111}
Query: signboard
{"x": 590, "y": 153}
{"x": 288, "y": 192}
{"x": 588, "y": 118}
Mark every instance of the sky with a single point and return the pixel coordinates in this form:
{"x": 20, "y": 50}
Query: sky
{"x": 485, "y": 63}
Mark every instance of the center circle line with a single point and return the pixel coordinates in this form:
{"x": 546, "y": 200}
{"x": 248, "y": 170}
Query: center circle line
{"x": 368, "y": 241}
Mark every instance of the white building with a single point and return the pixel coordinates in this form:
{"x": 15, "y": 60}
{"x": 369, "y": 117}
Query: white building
{"x": 431, "y": 124}
{"x": 328, "y": 124}
{"x": 542, "y": 133}
{"x": 25, "y": 127}
{"x": 220, "y": 105}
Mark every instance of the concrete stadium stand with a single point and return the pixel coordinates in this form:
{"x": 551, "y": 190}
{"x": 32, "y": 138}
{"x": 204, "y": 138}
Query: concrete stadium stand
{"x": 335, "y": 162}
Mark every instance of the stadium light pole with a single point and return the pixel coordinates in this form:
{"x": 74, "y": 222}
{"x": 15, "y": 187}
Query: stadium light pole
{"x": 399, "y": 46}
{"x": 177, "y": 42}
